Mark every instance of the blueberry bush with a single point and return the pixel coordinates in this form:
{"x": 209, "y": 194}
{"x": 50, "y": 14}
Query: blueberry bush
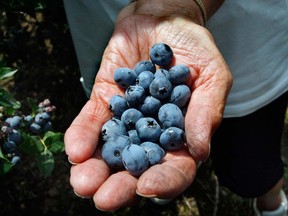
{"x": 30, "y": 133}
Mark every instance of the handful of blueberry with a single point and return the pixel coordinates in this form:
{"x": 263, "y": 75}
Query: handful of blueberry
{"x": 149, "y": 119}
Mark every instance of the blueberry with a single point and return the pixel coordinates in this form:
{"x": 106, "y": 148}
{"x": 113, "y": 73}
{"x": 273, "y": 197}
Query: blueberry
{"x": 35, "y": 128}
{"x": 14, "y": 121}
{"x": 134, "y": 136}
{"x": 144, "y": 79}
{"x": 47, "y": 126}
{"x": 180, "y": 95}
{"x": 130, "y": 117}
{"x": 144, "y": 65}
{"x": 9, "y": 147}
{"x": 125, "y": 77}
{"x": 113, "y": 127}
{"x": 170, "y": 115}
{"x": 14, "y": 136}
{"x": 160, "y": 88}
{"x": 134, "y": 94}
{"x": 46, "y": 115}
{"x": 135, "y": 159}
{"x": 28, "y": 120}
{"x": 161, "y": 73}
{"x": 154, "y": 151}
{"x": 172, "y": 138}
{"x": 112, "y": 151}
{"x": 41, "y": 118}
{"x": 150, "y": 105}
{"x": 161, "y": 54}
{"x": 15, "y": 159}
{"x": 179, "y": 74}
{"x": 118, "y": 105}
{"x": 148, "y": 129}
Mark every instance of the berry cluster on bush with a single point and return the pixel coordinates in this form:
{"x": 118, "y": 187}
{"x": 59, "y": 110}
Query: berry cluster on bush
{"x": 148, "y": 119}
{"x": 12, "y": 128}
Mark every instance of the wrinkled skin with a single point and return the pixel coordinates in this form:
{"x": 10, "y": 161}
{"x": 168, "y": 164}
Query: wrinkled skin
{"x": 210, "y": 82}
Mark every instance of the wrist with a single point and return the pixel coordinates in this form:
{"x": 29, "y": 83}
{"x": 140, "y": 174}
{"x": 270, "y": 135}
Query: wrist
{"x": 168, "y": 8}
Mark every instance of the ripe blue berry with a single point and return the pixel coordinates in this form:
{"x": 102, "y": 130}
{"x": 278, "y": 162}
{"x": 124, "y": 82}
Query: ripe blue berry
{"x": 15, "y": 159}
{"x": 180, "y": 95}
{"x": 125, "y": 77}
{"x": 14, "y": 136}
{"x": 28, "y": 120}
{"x": 14, "y": 122}
{"x": 41, "y": 118}
{"x": 144, "y": 65}
{"x": 144, "y": 79}
{"x": 112, "y": 150}
{"x": 170, "y": 115}
{"x": 47, "y": 126}
{"x": 113, "y": 127}
{"x": 161, "y": 54}
{"x": 172, "y": 138}
{"x": 150, "y": 105}
{"x": 160, "y": 88}
{"x": 179, "y": 74}
{"x": 135, "y": 94}
{"x": 134, "y": 136}
{"x": 130, "y": 117}
{"x": 148, "y": 129}
{"x": 35, "y": 128}
{"x": 154, "y": 151}
{"x": 135, "y": 159}
{"x": 9, "y": 147}
{"x": 161, "y": 73}
{"x": 118, "y": 105}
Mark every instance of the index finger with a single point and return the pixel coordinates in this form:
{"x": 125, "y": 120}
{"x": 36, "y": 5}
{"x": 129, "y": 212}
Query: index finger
{"x": 82, "y": 136}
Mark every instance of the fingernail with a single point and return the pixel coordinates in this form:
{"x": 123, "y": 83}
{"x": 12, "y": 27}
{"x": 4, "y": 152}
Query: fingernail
{"x": 81, "y": 196}
{"x": 146, "y": 195}
{"x": 71, "y": 162}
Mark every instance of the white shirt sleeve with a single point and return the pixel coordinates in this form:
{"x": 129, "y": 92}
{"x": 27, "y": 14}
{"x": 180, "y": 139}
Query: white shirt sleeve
{"x": 253, "y": 38}
{"x": 91, "y": 24}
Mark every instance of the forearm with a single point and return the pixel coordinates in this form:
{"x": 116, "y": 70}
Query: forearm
{"x": 212, "y": 6}
{"x": 186, "y": 8}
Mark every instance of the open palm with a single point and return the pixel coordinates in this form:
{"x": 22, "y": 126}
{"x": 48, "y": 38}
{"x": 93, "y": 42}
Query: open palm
{"x": 210, "y": 82}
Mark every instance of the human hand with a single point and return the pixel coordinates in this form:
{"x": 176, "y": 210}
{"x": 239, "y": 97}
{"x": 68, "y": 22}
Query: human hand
{"x": 210, "y": 82}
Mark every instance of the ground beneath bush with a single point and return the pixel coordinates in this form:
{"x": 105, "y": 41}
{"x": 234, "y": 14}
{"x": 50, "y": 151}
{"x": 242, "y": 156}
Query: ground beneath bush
{"x": 43, "y": 53}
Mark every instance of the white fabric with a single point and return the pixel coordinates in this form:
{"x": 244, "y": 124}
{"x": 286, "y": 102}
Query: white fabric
{"x": 91, "y": 24}
{"x": 251, "y": 35}
{"x": 253, "y": 38}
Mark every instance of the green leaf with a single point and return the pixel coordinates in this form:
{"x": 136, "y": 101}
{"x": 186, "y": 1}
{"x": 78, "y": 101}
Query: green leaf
{"x": 5, "y": 164}
{"x": 46, "y": 162}
{"x": 54, "y": 141}
{"x": 7, "y": 100}
{"x": 1, "y": 154}
{"x": 31, "y": 144}
{"x": 6, "y": 72}
{"x": 34, "y": 107}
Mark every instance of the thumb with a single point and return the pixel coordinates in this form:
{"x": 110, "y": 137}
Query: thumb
{"x": 205, "y": 109}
